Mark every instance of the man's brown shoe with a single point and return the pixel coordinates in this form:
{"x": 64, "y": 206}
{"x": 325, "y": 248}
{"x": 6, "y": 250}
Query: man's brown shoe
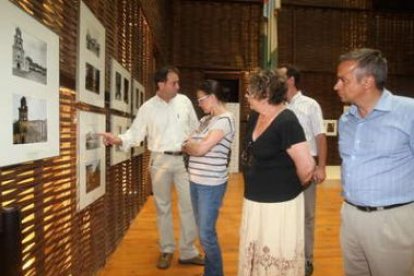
{"x": 164, "y": 261}
{"x": 197, "y": 260}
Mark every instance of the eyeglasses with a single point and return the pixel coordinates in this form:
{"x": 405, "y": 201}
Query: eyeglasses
{"x": 201, "y": 99}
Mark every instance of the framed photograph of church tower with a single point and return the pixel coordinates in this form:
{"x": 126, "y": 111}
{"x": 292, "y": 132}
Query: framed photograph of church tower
{"x": 90, "y": 79}
{"x": 29, "y": 85}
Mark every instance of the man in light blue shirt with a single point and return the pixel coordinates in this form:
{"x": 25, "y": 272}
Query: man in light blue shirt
{"x": 376, "y": 144}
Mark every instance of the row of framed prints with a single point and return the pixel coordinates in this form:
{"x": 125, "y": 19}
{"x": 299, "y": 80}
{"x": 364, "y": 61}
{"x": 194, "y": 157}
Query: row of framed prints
{"x": 126, "y": 94}
{"x": 29, "y": 98}
{"x": 91, "y": 154}
{"x": 29, "y": 81}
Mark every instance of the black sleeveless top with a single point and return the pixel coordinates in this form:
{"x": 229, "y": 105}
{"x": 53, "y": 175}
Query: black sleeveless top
{"x": 269, "y": 172}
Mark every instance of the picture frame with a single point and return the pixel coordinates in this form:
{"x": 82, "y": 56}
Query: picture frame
{"x": 118, "y": 126}
{"x": 29, "y": 85}
{"x": 90, "y": 72}
{"x": 138, "y": 99}
{"x": 120, "y": 95}
{"x": 330, "y": 127}
{"x": 138, "y": 96}
{"x": 91, "y": 167}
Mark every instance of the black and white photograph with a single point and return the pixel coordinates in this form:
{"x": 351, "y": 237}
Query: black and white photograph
{"x": 29, "y": 120}
{"x": 138, "y": 96}
{"x": 91, "y": 157}
{"x": 29, "y": 85}
{"x": 330, "y": 127}
{"x": 29, "y": 56}
{"x": 92, "y": 42}
{"x": 120, "y": 93}
{"x": 90, "y": 71}
{"x": 92, "y": 175}
{"x": 118, "y": 126}
{"x": 118, "y": 85}
{"x": 126, "y": 90}
{"x": 92, "y": 140}
{"x": 92, "y": 79}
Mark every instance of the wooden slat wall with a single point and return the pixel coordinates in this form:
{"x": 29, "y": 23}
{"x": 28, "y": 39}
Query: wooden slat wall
{"x": 312, "y": 35}
{"x": 58, "y": 240}
{"x": 216, "y": 36}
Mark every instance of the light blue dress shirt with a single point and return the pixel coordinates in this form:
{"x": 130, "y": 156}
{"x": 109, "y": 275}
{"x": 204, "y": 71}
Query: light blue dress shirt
{"x": 378, "y": 152}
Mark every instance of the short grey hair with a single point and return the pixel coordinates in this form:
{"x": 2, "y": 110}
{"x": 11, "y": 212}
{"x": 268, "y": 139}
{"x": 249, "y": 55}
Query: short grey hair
{"x": 370, "y": 62}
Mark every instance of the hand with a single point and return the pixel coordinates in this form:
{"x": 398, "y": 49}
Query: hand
{"x": 319, "y": 174}
{"x": 110, "y": 139}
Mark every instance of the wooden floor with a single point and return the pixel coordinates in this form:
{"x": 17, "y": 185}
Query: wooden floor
{"x": 138, "y": 251}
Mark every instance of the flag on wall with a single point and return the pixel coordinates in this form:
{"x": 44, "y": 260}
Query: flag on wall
{"x": 269, "y": 33}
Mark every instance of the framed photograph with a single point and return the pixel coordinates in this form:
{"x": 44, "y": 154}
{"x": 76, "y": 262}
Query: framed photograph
{"x": 120, "y": 87}
{"x": 29, "y": 85}
{"x": 330, "y": 127}
{"x": 90, "y": 72}
{"x": 138, "y": 96}
{"x": 118, "y": 126}
{"x": 91, "y": 158}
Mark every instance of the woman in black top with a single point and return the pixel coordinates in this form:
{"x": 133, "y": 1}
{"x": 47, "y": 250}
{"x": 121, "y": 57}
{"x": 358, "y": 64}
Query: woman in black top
{"x": 276, "y": 165}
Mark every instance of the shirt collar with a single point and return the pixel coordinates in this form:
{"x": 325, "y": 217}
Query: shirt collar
{"x": 294, "y": 98}
{"x": 384, "y": 103}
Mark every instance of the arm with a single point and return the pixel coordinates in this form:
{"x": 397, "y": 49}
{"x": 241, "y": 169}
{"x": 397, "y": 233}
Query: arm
{"x": 133, "y": 136}
{"x": 320, "y": 172}
{"x": 305, "y": 165}
{"x": 200, "y": 148}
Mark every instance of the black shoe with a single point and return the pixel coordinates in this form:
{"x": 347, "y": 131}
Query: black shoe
{"x": 308, "y": 268}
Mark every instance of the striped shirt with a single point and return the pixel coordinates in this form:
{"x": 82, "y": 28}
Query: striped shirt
{"x": 378, "y": 152}
{"x": 212, "y": 168}
{"x": 310, "y": 117}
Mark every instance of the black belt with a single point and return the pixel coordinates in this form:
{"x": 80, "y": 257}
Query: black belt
{"x": 175, "y": 153}
{"x": 373, "y": 209}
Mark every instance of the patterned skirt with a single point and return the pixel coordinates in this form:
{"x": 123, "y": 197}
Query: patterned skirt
{"x": 272, "y": 238}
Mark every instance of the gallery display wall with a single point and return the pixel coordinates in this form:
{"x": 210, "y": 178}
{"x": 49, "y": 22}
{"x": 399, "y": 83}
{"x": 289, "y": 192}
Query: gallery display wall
{"x": 70, "y": 70}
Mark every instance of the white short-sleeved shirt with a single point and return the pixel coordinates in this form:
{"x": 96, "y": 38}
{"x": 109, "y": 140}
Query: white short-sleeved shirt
{"x": 310, "y": 117}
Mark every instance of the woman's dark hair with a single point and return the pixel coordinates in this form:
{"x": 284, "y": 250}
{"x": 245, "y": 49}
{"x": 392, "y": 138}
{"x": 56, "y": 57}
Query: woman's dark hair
{"x": 213, "y": 87}
{"x": 161, "y": 74}
{"x": 267, "y": 84}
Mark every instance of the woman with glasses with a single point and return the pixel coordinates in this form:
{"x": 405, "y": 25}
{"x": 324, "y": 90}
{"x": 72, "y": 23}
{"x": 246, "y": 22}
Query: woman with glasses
{"x": 209, "y": 149}
{"x": 276, "y": 166}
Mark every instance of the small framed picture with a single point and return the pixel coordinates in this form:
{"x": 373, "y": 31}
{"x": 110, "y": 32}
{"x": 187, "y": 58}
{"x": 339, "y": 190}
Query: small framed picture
{"x": 90, "y": 79}
{"x": 138, "y": 96}
{"x": 120, "y": 87}
{"x": 330, "y": 127}
{"x": 91, "y": 158}
{"x": 118, "y": 126}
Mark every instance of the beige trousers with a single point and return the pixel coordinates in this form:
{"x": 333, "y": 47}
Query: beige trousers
{"x": 379, "y": 243}
{"x": 168, "y": 171}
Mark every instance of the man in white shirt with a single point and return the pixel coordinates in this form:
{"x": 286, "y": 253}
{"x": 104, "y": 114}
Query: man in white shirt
{"x": 167, "y": 119}
{"x": 310, "y": 117}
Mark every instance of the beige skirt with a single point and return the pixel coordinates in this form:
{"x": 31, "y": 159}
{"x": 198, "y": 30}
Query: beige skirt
{"x": 272, "y": 238}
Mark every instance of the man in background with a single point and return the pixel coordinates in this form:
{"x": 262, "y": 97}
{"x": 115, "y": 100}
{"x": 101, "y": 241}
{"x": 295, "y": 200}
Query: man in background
{"x": 310, "y": 117}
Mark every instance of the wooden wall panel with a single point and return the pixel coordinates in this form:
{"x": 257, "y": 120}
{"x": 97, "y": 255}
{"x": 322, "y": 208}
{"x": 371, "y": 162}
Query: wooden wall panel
{"x": 57, "y": 239}
{"x": 312, "y": 35}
